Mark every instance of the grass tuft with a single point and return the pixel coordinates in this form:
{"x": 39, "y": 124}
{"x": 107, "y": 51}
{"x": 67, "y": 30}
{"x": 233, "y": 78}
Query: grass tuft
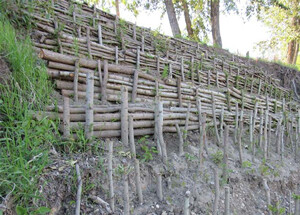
{"x": 24, "y": 142}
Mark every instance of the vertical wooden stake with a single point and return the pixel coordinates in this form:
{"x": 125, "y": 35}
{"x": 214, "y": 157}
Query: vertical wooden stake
{"x": 157, "y": 65}
{"x": 266, "y": 136}
{"x": 134, "y": 32}
{"x": 187, "y": 121}
{"x": 104, "y": 82}
{"x": 278, "y": 135}
{"x": 261, "y": 128}
{"x": 225, "y": 153}
{"x": 160, "y": 131}
{"x": 136, "y": 161}
{"x": 124, "y": 115}
{"x": 217, "y": 80}
{"x": 259, "y": 87}
{"x": 208, "y": 78}
{"x": 157, "y": 122}
{"x": 143, "y": 43}
{"x": 89, "y": 111}
{"x": 215, "y": 119}
{"x": 217, "y": 192}
{"x": 227, "y": 201}
{"x": 66, "y": 117}
{"x": 170, "y": 71}
{"x": 126, "y": 194}
{"x": 99, "y": 72}
{"x": 117, "y": 55}
{"x": 110, "y": 176}
{"x": 76, "y": 80}
{"x": 138, "y": 57}
{"x": 251, "y": 129}
{"x": 192, "y": 69}
{"x": 79, "y": 190}
{"x": 135, "y": 84}
{"x": 222, "y": 124}
{"x": 100, "y": 34}
{"x": 182, "y": 69}
{"x": 159, "y": 191}
{"x": 236, "y": 122}
{"x": 290, "y": 202}
{"x": 186, "y": 210}
{"x": 240, "y": 141}
{"x": 267, "y": 190}
{"x": 180, "y": 139}
{"x": 269, "y": 134}
{"x": 179, "y": 91}
{"x": 282, "y": 143}
{"x": 88, "y": 41}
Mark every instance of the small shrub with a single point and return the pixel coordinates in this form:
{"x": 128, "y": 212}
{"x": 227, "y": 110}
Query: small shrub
{"x": 217, "y": 157}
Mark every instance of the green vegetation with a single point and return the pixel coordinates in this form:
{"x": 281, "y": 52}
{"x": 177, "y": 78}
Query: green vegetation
{"x": 24, "y": 142}
{"x": 148, "y": 151}
{"x": 217, "y": 157}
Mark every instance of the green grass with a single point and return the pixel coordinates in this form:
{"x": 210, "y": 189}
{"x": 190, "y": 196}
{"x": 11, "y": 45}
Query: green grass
{"x": 24, "y": 142}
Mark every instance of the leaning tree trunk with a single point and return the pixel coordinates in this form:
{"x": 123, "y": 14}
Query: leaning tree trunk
{"x": 187, "y": 19}
{"x": 172, "y": 17}
{"x": 293, "y": 46}
{"x": 292, "y": 53}
{"x": 117, "y": 8}
{"x": 215, "y": 22}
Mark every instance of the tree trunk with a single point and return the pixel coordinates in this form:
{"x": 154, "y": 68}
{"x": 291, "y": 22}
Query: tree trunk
{"x": 172, "y": 17}
{"x": 215, "y": 22}
{"x": 117, "y": 8}
{"x": 292, "y": 53}
{"x": 293, "y": 46}
{"x": 187, "y": 19}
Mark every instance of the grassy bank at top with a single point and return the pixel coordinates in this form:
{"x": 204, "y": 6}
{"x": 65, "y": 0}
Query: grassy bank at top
{"x": 24, "y": 142}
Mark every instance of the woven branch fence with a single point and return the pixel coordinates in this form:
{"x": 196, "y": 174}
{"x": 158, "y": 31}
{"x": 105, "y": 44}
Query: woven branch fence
{"x": 78, "y": 41}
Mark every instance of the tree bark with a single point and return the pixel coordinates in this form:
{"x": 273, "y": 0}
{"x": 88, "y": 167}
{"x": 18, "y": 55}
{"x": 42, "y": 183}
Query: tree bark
{"x": 172, "y": 17}
{"x": 215, "y": 22}
{"x": 292, "y": 53}
{"x": 117, "y": 8}
{"x": 187, "y": 19}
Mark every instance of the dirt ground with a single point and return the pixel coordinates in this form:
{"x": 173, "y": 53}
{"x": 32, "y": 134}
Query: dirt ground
{"x": 58, "y": 184}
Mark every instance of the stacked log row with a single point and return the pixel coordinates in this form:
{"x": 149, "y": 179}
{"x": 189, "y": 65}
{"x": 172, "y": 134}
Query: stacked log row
{"x": 110, "y": 78}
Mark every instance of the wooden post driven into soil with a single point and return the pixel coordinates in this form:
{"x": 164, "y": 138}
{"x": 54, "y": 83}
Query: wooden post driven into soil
{"x": 126, "y": 194}
{"x": 225, "y": 153}
{"x": 159, "y": 126}
{"x": 135, "y": 85}
{"x": 186, "y": 210}
{"x": 215, "y": 119}
{"x": 110, "y": 176}
{"x": 79, "y": 190}
{"x": 124, "y": 115}
{"x": 89, "y": 112}
{"x": 66, "y": 117}
{"x": 180, "y": 152}
{"x": 217, "y": 192}
{"x": 136, "y": 161}
{"x": 268, "y": 196}
{"x": 76, "y": 80}
{"x": 104, "y": 82}
{"x": 227, "y": 201}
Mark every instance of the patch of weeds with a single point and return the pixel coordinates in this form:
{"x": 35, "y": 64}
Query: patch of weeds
{"x": 217, "y": 157}
{"x": 276, "y": 209}
{"x": 165, "y": 72}
{"x": 190, "y": 157}
{"x": 264, "y": 170}
{"x": 148, "y": 151}
{"x": 246, "y": 164}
